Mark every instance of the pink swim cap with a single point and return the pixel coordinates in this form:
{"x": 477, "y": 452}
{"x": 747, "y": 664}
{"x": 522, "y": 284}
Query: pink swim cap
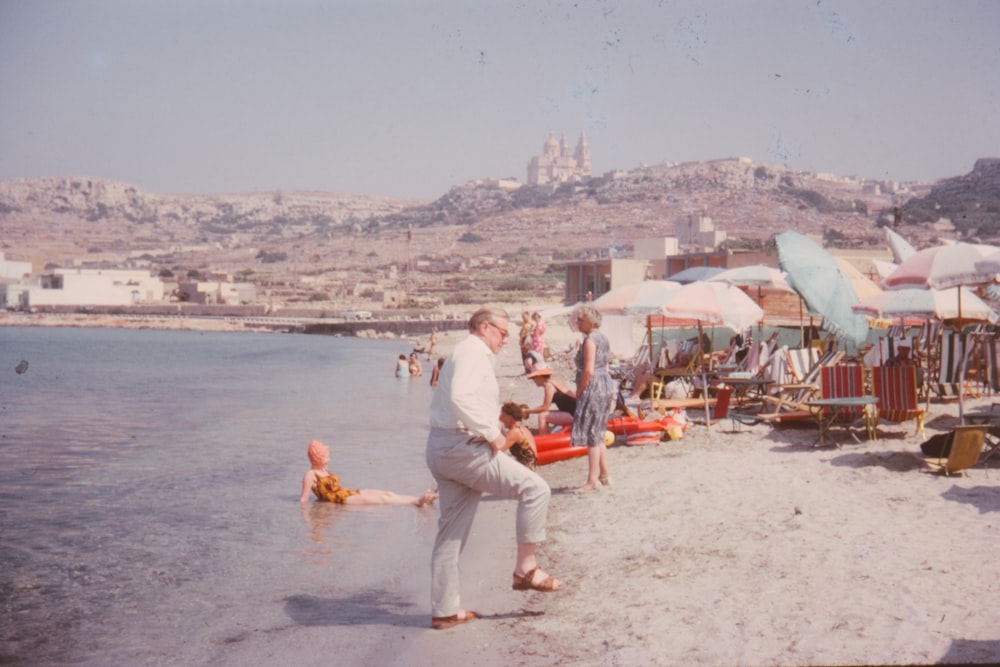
{"x": 317, "y": 452}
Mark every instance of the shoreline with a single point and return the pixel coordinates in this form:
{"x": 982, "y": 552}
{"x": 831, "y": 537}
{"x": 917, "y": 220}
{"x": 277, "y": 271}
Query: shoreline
{"x": 735, "y": 546}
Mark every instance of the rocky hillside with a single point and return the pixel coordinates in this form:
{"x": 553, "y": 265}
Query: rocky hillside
{"x": 971, "y": 202}
{"x": 477, "y": 234}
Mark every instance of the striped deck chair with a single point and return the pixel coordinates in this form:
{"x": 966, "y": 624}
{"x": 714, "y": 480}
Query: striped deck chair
{"x": 991, "y": 349}
{"x": 844, "y": 381}
{"x": 896, "y": 390}
{"x": 789, "y": 400}
{"x": 953, "y": 351}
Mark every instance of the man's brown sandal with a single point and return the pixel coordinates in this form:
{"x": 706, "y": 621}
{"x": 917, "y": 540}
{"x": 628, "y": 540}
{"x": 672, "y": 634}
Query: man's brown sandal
{"x": 526, "y": 583}
{"x": 445, "y": 622}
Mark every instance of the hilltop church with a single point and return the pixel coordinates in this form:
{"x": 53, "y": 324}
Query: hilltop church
{"x": 556, "y": 165}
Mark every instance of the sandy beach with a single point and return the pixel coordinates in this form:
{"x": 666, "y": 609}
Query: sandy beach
{"x": 745, "y": 547}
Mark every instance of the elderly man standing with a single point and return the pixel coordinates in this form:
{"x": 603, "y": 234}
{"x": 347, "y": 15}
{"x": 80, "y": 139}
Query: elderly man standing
{"x": 463, "y": 455}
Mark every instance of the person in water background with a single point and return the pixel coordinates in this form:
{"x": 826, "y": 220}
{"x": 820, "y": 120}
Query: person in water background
{"x": 326, "y": 486}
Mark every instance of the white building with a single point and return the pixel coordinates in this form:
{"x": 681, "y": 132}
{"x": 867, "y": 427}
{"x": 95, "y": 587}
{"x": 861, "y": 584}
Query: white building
{"x": 86, "y": 287}
{"x": 219, "y": 292}
{"x": 698, "y": 234}
{"x": 557, "y": 165}
{"x": 11, "y": 270}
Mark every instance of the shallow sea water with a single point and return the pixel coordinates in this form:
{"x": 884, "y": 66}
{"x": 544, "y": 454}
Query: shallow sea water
{"x": 149, "y": 487}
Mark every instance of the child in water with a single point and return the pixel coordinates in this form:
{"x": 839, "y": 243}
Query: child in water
{"x": 327, "y": 487}
{"x": 519, "y": 440}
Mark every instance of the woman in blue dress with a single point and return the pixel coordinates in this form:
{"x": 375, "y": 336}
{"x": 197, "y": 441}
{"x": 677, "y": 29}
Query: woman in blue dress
{"x": 595, "y": 392}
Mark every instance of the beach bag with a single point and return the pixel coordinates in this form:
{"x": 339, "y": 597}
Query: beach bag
{"x": 937, "y": 446}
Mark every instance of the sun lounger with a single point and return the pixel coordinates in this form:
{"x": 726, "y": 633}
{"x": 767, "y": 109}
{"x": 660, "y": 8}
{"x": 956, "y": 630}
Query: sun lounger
{"x": 966, "y": 446}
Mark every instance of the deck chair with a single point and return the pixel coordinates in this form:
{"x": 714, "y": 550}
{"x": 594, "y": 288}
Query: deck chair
{"x": 896, "y": 390}
{"x": 991, "y": 350}
{"x": 953, "y": 351}
{"x": 721, "y": 409}
{"x": 683, "y": 360}
{"x": 966, "y": 446}
{"x": 845, "y": 381}
{"x": 799, "y": 362}
{"x": 788, "y": 401}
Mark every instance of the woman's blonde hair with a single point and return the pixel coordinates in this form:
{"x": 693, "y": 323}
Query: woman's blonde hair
{"x": 587, "y": 312}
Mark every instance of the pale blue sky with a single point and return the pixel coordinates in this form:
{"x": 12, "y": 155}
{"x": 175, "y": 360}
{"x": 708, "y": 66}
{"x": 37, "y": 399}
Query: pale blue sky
{"x": 409, "y": 98}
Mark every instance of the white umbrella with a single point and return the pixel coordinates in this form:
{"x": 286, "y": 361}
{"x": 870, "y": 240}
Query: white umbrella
{"x": 939, "y": 267}
{"x": 927, "y": 303}
{"x": 712, "y": 303}
{"x": 638, "y": 298}
{"x": 756, "y": 275}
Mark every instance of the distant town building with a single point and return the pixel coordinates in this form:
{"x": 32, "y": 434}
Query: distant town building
{"x": 218, "y": 292}
{"x": 656, "y": 251}
{"x": 86, "y": 287}
{"x": 557, "y": 165}
{"x": 697, "y": 234}
{"x": 12, "y": 270}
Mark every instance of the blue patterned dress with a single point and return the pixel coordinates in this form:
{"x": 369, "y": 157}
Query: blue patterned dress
{"x": 594, "y": 405}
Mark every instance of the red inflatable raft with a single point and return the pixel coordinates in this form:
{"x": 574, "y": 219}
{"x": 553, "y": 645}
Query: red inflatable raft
{"x": 555, "y": 447}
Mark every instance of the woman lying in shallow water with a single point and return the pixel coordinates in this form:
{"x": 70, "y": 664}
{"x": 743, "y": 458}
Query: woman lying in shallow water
{"x": 327, "y": 487}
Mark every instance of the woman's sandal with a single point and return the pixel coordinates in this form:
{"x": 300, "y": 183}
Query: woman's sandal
{"x": 605, "y": 481}
{"x": 526, "y": 583}
{"x": 445, "y": 622}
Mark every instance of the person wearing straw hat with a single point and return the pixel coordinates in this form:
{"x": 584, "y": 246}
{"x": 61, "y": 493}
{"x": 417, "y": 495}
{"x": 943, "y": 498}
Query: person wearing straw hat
{"x": 556, "y": 394}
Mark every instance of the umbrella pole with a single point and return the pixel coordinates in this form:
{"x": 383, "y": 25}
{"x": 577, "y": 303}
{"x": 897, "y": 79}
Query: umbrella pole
{"x": 802, "y": 326}
{"x": 649, "y": 336}
{"x": 962, "y": 367}
{"x": 704, "y": 378}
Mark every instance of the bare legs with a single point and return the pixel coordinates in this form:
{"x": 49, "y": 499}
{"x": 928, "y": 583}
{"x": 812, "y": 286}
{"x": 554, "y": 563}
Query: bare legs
{"x": 597, "y": 464}
{"x": 553, "y": 418}
{"x": 379, "y": 497}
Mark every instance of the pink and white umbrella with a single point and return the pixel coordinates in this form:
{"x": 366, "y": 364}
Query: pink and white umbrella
{"x": 940, "y": 266}
{"x": 713, "y": 303}
{"x": 716, "y": 304}
{"x": 639, "y": 298}
{"x": 755, "y": 275}
{"x": 927, "y": 303}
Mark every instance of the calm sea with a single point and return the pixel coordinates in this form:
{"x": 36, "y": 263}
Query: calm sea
{"x": 149, "y": 487}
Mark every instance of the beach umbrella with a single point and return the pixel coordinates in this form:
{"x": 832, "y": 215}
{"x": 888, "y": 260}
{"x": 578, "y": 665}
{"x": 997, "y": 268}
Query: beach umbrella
{"x": 695, "y": 273}
{"x": 900, "y": 247}
{"x": 863, "y": 286}
{"x": 883, "y": 268}
{"x": 927, "y": 303}
{"x": 821, "y": 282}
{"x": 755, "y": 275}
{"x": 712, "y": 303}
{"x": 988, "y": 268}
{"x": 940, "y": 267}
{"x": 638, "y": 298}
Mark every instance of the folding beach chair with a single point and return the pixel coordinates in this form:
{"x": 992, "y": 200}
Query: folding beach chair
{"x": 991, "y": 350}
{"x": 896, "y": 390}
{"x": 845, "y": 381}
{"x": 788, "y": 401}
{"x": 966, "y": 446}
